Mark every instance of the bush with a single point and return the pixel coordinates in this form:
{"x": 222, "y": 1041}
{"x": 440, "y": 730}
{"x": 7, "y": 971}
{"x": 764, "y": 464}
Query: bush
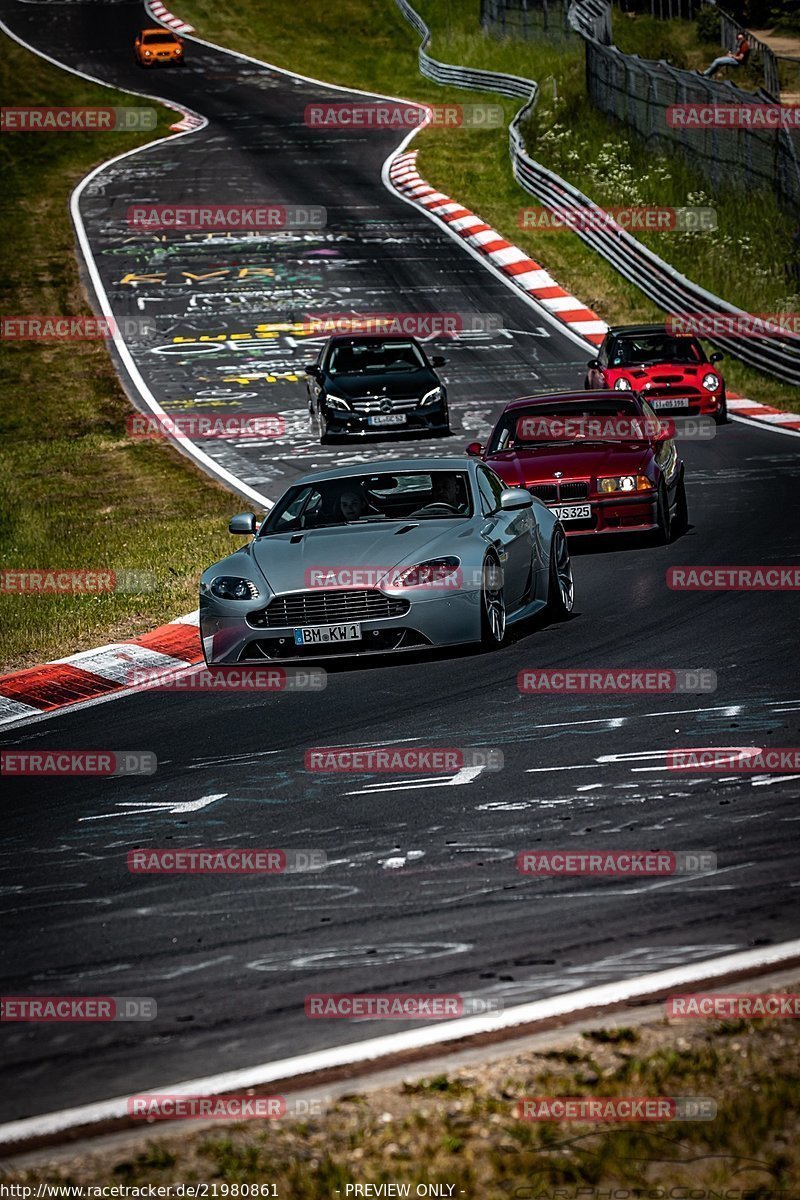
{"x": 708, "y": 24}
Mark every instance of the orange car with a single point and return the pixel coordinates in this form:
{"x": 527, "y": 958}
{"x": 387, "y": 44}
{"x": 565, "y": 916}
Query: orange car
{"x": 158, "y": 47}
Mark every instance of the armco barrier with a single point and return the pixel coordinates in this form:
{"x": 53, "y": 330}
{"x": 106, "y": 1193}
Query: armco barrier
{"x": 671, "y": 290}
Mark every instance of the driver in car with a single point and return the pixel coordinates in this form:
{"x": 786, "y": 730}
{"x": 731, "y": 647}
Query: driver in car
{"x": 352, "y": 505}
{"x": 446, "y": 489}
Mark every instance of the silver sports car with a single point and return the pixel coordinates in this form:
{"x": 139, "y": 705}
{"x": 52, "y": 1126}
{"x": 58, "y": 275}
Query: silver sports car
{"x": 387, "y": 556}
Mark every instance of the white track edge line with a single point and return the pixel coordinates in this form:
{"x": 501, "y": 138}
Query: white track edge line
{"x": 186, "y": 447}
{"x": 394, "y": 1043}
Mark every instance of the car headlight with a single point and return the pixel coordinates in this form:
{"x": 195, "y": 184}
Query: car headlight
{"x": 432, "y": 397}
{"x": 148, "y": 53}
{"x": 622, "y": 385}
{"x": 711, "y": 382}
{"x": 436, "y": 572}
{"x": 337, "y": 401}
{"x": 230, "y": 587}
{"x": 624, "y": 483}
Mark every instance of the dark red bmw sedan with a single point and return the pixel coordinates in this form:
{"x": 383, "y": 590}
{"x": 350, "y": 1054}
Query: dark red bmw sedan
{"x": 604, "y": 463}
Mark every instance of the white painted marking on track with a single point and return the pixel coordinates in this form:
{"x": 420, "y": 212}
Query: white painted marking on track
{"x": 465, "y": 775}
{"x": 138, "y": 808}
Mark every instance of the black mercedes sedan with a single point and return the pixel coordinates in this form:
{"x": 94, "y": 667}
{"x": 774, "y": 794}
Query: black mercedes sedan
{"x": 368, "y": 385}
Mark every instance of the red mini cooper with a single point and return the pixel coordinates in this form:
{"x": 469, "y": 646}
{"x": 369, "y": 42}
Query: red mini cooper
{"x": 672, "y": 371}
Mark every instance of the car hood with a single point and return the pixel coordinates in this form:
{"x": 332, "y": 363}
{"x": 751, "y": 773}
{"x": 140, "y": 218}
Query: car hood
{"x": 290, "y": 562}
{"x": 391, "y": 383}
{"x": 521, "y": 468}
{"x": 683, "y": 372}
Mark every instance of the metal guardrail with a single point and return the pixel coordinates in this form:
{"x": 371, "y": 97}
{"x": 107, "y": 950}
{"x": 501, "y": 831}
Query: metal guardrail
{"x": 634, "y": 261}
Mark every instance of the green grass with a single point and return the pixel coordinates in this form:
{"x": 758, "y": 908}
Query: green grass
{"x": 745, "y": 260}
{"x": 75, "y": 491}
{"x": 460, "y": 1128}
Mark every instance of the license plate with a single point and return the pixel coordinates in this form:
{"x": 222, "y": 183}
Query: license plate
{"x": 671, "y": 403}
{"x": 317, "y": 635}
{"x": 575, "y": 512}
{"x": 389, "y": 419}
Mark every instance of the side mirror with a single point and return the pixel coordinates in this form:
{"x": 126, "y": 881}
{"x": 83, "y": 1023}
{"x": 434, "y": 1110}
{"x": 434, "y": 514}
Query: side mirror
{"x": 593, "y": 362}
{"x": 242, "y": 523}
{"x": 515, "y": 498}
{"x": 312, "y": 369}
{"x": 474, "y": 449}
{"x": 716, "y": 357}
{"x": 438, "y": 361}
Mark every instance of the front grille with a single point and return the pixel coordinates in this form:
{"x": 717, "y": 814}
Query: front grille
{"x": 374, "y": 642}
{"x": 370, "y": 405}
{"x": 685, "y": 392}
{"x": 565, "y": 489}
{"x": 325, "y": 607}
{"x": 577, "y": 489}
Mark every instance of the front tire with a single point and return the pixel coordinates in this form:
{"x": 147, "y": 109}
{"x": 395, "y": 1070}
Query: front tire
{"x": 560, "y": 586}
{"x": 493, "y": 606}
{"x": 663, "y": 519}
{"x": 721, "y": 417}
{"x": 680, "y": 522}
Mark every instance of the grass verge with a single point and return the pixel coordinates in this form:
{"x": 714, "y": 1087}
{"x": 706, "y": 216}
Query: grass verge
{"x": 75, "y": 492}
{"x": 460, "y": 1128}
{"x": 747, "y": 260}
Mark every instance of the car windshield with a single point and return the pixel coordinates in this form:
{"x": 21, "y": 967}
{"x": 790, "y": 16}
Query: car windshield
{"x": 374, "y": 357}
{"x": 599, "y": 420}
{"x": 647, "y": 349}
{"x": 366, "y": 499}
{"x": 159, "y": 37}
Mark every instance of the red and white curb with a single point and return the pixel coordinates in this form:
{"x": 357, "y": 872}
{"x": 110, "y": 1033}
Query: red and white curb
{"x": 157, "y": 10}
{"x": 534, "y": 280}
{"x": 751, "y": 410}
{"x": 93, "y": 674}
{"x": 526, "y": 274}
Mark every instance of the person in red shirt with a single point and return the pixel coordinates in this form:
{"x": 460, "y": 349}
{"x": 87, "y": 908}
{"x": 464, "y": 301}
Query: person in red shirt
{"x": 737, "y": 58}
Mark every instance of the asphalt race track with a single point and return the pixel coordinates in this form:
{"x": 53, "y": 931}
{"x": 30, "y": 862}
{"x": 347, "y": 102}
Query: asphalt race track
{"x": 421, "y": 892}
